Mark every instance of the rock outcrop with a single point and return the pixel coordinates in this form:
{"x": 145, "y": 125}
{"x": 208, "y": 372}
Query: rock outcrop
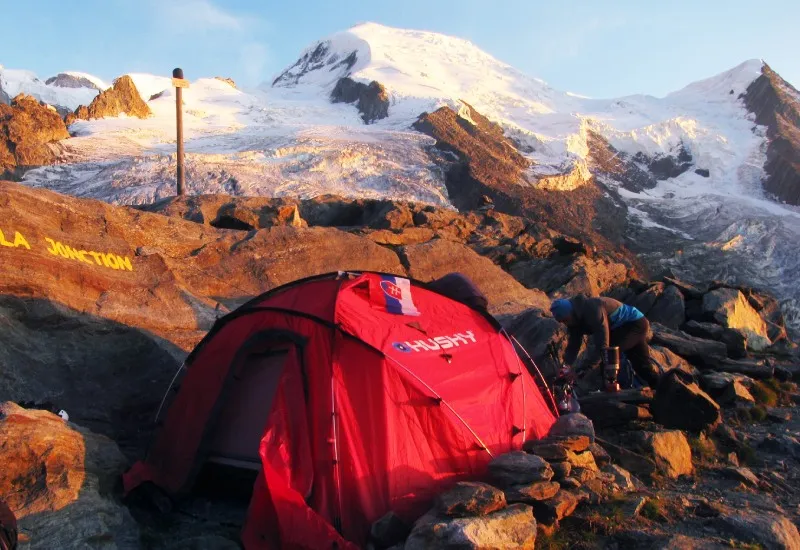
{"x": 729, "y": 308}
{"x": 64, "y": 80}
{"x": 371, "y": 100}
{"x": 776, "y": 105}
{"x": 28, "y": 132}
{"x": 226, "y": 80}
{"x": 58, "y": 479}
{"x": 121, "y": 98}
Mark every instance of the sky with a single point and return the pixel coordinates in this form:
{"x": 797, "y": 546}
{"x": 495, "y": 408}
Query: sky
{"x": 604, "y": 48}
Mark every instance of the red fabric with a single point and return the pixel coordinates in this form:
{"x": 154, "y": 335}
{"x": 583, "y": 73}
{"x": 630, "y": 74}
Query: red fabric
{"x": 413, "y": 409}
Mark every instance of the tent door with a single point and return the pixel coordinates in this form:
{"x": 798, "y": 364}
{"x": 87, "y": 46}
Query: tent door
{"x": 248, "y": 402}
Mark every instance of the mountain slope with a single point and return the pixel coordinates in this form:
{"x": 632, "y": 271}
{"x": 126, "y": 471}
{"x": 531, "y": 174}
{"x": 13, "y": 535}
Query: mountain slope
{"x": 658, "y": 175}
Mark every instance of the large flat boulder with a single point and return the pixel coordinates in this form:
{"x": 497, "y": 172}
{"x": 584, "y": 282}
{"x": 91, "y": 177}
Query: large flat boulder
{"x": 730, "y": 308}
{"x": 58, "y": 478}
{"x": 513, "y": 528}
{"x": 696, "y": 350}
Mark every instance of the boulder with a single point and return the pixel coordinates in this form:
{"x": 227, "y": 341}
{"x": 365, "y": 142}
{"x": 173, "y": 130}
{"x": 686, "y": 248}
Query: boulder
{"x": 633, "y": 461}
{"x": 699, "y": 351}
{"x": 540, "y": 490}
{"x": 745, "y": 475}
{"x": 121, "y": 98}
{"x": 551, "y": 452}
{"x": 468, "y": 498}
{"x": 519, "y": 468}
{"x": 764, "y": 528}
{"x": 683, "y": 405}
{"x": 670, "y": 309}
{"x": 736, "y": 394}
{"x": 58, "y": 478}
{"x": 734, "y": 339}
{"x": 601, "y": 456}
{"x": 572, "y": 424}
{"x": 610, "y": 413}
{"x": 666, "y": 360}
{"x": 513, "y": 527}
{"x": 690, "y": 291}
{"x": 388, "y": 531}
{"x": 730, "y": 308}
{"x": 715, "y": 383}
{"x": 571, "y": 275}
{"x": 439, "y": 257}
{"x": 28, "y": 131}
{"x": 535, "y": 330}
{"x": 646, "y": 299}
{"x": 557, "y": 508}
{"x": 670, "y": 451}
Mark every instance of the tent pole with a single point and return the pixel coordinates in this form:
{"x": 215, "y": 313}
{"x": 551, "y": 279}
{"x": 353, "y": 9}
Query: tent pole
{"x": 445, "y": 403}
{"x": 538, "y": 372}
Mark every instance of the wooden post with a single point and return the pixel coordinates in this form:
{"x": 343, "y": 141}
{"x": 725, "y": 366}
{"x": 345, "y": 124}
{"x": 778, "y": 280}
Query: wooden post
{"x": 179, "y": 83}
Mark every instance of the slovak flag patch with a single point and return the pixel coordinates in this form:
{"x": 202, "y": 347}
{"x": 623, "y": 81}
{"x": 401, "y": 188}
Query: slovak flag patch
{"x": 397, "y": 295}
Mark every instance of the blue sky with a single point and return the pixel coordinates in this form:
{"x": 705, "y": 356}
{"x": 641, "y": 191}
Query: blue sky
{"x": 600, "y": 48}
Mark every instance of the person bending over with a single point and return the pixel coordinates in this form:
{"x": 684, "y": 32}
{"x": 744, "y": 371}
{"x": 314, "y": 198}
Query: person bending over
{"x": 609, "y": 323}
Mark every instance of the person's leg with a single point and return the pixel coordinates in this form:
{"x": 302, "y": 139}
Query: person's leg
{"x": 631, "y": 338}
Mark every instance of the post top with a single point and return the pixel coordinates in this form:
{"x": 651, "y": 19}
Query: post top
{"x": 177, "y": 73}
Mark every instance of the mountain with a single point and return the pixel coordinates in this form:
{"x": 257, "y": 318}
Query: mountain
{"x": 701, "y": 182}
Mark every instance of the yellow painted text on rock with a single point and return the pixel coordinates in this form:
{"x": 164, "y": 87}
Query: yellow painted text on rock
{"x": 104, "y": 259}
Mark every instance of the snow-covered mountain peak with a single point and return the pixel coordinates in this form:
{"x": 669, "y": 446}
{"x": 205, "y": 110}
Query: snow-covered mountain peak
{"x": 732, "y": 82}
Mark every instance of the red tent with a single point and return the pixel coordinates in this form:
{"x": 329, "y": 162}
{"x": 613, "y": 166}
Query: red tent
{"x": 354, "y": 394}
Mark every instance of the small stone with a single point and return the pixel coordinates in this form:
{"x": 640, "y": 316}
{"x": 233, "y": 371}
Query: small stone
{"x": 548, "y": 451}
{"x": 570, "y": 483}
{"x": 597, "y": 490}
{"x": 574, "y": 443}
{"x": 555, "y": 509}
{"x": 583, "y": 474}
{"x": 745, "y": 475}
{"x": 560, "y": 470}
{"x": 706, "y": 509}
{"x": 582, "y": 460}
{"x": 541, "y": 490}
{"x": 621, "y": 477}
{"x": 778, "y": 416}
{"x": 601, "y": 457}
{"x": 469, "y": 498}
{"x": 519, "y": 468}
{"x": 572, "y": 424}
{"x": 733, "y": 460}
{"x": 632, "y": 507}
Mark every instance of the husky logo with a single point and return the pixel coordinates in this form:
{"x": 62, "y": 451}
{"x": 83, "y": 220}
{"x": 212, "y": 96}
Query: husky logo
{"x": 436, "y": 343}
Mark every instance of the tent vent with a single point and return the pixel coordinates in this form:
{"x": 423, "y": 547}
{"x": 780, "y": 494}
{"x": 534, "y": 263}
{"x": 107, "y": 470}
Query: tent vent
{"x": 516, "y": 430}
{"x": 514, "y": 375}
